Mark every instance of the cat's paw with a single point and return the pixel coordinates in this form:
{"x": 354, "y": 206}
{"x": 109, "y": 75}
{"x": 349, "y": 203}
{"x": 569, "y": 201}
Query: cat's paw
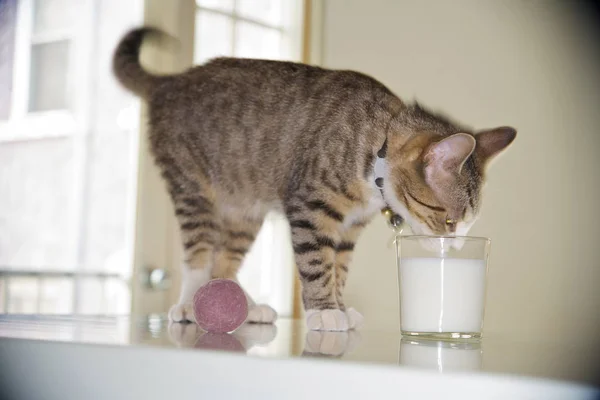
{"x": 327, "y": 320}
{"x": 261, "y": 314}
{"x": 182, "y": 313}
{"x": 330, "y": 343}
{"x": 355, "y": 319}
{"x": 184, "y": 335}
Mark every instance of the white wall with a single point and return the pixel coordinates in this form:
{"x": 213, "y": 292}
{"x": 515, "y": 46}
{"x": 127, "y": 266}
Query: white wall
{"x": 532, "y": 65}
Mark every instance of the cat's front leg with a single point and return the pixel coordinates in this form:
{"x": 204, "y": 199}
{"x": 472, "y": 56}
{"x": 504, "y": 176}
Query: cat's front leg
{"x": 343, "y": 257}
{"x": 315, "y": 236}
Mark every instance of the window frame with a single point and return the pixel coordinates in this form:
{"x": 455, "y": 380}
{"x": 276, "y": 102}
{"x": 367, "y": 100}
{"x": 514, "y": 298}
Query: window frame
{"x": 24, "y": 125}
{"x": 291, "y": 29}
{"x": 73, "y": 123}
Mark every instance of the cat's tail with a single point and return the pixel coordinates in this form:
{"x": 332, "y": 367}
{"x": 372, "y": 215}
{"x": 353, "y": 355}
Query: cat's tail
{"x": 126, "y": 62}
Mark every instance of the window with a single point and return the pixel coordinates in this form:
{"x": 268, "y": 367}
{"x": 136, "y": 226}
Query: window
{"x": 268, "y": 29}
{"x": 52, "y": 30}
{"x": 44, "y": 41}
{"x": 67, "y": 157}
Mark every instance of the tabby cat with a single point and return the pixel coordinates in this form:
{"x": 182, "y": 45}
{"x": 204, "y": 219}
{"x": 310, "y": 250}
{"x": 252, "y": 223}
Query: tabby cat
{"x": 236, "y": 138}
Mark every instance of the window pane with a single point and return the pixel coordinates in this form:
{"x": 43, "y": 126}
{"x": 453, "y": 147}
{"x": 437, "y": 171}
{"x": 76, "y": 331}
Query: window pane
{"x": 221, "y": 5}
{"x": 104, "y": 296}
{"x": 118, "y": 297}
{"x": 35, "y": 230}
{"x": 8, "y": 12}
{"x": 52, "y": 15}
{"x": 91, "y": 300}
{"x": 213, "y": 36}
{"x": 48, "y": 76}
{"x": 266, "y": 11}
{"x": 56, "y": 296}
{"x": 22, "y": 295}
{"x": 255, "y": 41}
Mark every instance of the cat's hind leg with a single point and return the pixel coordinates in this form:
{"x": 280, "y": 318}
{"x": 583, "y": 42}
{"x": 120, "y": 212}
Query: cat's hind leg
{"x": 236, "y": 239}
{"x": 194, "y": 202}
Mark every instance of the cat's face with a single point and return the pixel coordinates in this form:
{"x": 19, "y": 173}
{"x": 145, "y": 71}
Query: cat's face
{"x": 436, "y": 184}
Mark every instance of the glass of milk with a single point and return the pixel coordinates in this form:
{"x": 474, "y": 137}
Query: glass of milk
{"x": 442, "y": 285}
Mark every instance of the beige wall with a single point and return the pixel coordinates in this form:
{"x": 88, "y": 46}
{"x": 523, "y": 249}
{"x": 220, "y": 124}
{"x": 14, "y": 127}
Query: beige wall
{"x": 528, "y": 64}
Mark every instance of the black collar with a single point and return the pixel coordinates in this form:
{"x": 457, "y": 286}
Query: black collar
{"x": 395, "y": 221}
{"x": 383, "y": 150}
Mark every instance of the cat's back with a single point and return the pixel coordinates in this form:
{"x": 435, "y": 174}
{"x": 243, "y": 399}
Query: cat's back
{"x": 268, "y": 81}
{"x": 264, "y": 70}
{"x": 231, "y": 95}
{"x": 264, "y": 117}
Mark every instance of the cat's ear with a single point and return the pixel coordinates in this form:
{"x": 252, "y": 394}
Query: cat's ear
{"x": 443, "y": 161}
{"x": 492, "y": 142}
{"x": 449, "y": 154}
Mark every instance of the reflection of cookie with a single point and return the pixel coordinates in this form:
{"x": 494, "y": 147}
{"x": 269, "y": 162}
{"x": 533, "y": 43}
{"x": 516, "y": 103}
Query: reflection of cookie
{"x": 220, "y": 306}
{"x": 219, "y": 341}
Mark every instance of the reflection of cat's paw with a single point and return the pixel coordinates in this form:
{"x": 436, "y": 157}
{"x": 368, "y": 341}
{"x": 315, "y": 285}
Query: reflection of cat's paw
{"x": 261, "y": 314}
{"x": 182, "y": 313}
{"x": 355, "y": 319}
{"x": 330, "y": 343}
{"x": 184, "y": 335}
{"x": 327, "y": 320}
{"x": 255, "y": 334}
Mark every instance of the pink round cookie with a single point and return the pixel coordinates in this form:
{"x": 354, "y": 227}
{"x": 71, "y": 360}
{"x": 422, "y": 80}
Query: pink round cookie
{"x": 220, "y": 306}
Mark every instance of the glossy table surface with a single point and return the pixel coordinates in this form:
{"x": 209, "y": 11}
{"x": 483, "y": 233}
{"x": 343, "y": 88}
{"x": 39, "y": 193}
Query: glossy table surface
{"x": 563, "y": 362}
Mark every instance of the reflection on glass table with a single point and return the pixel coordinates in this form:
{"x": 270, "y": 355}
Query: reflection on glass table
{"x": 441, "y": 355}
{"x": 558, "y": 360}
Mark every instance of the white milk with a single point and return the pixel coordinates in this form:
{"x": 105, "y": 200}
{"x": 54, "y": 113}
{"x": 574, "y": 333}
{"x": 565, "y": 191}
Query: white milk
{"x": 442, "y": 294}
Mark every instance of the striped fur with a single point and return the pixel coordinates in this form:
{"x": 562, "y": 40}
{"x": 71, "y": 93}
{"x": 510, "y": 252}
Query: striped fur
{"x": 237, "y": 138}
